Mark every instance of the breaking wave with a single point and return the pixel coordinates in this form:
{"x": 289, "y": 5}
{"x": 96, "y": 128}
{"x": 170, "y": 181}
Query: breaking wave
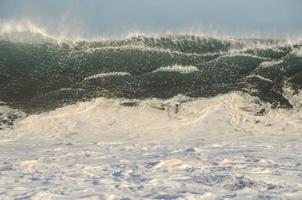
{"x": 42, "y": 73}
{"x": 179, "y": 118}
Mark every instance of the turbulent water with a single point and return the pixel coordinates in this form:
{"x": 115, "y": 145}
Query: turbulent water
{"x": 150, "y": 117}
{"x": 39, "y": 73}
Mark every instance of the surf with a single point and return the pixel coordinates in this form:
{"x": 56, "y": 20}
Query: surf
{"x": 42, "y": 73}
{"x": 180, "y": 118}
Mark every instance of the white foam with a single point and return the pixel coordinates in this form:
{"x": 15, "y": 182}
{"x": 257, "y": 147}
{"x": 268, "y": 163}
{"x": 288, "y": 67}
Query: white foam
{"x": 295, "y": 99}
{"x": 105, "y": 119}
{"x": 177, "y": 68}
{"x": 270, "y": 63}
{"x": 180, "y": 148}
{"x": 109, "y": 74}
{"x": 29, "y": 165}
{"x": 298, "y": 52}
{"x": 260, "y": 77}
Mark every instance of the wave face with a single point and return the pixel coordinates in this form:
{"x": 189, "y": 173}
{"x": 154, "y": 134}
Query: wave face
{"x": 41, "y": 73}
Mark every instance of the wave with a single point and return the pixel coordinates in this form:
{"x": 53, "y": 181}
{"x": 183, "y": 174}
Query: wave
{"x": 42, "y": 73}
{"x": 180, "y": 117}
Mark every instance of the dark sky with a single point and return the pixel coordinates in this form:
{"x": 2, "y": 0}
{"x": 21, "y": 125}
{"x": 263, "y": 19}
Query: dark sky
{"x": 116, "y": 17}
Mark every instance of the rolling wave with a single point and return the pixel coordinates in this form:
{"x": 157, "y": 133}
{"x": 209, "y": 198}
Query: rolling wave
{"x": 41, "y": 73}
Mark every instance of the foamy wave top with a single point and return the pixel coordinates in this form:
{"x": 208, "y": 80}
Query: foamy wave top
{"x": 177, "y": 68}
{"x": 109, "y": 74}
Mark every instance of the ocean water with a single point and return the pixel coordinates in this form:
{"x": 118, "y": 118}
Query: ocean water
{"x": 150, "y": 117}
